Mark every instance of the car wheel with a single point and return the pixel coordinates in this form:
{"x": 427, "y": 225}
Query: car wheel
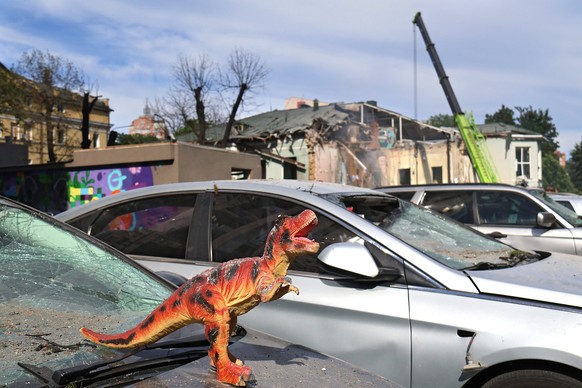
{"x": 533, "y": 378}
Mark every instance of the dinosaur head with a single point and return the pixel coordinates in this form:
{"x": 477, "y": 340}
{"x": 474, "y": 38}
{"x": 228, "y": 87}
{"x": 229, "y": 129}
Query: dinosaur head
{"x": 288, "y": 238}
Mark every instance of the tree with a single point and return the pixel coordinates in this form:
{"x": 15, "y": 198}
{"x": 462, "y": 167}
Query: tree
{"x": 575, "y": 166}
{"x": 503, "y": 115}
{"x": 12, "y": 96}
{"x": 55, "y": 79}
{"x": 204, "y": 92}
{"x": 86, "y": 109}
{"x": 194, "y": 77}
{"x": 245, "y": 72}
{"x": 555, "y": 176}
{"x": 442, "y": 120}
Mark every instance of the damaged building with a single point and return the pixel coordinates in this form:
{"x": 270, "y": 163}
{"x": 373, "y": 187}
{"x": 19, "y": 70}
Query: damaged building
{"x": 359, "y": 144}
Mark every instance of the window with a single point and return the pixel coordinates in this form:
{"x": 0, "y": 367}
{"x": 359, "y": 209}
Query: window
{"x": 61, "y": 136}
{"x": 455, "y": 204}
{"x": 241, "y": 223}
{"x": 404, "y": 176}
{"x": 289, "y": 170}
{"x": 504, "y": 208}
{"x": 437, "y": 174}
{"x": 523, "y": 162}
{"x": 150, "y": 227}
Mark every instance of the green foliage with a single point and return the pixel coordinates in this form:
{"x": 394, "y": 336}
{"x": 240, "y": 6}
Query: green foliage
{"x": 442, "y": 120}
{"x": 125, "y": 139}
{"x": 12, "y": 96}
{"x": 575, "y": 166}
{"x": 503, "y": 115}
{"x": 555, "y": 176}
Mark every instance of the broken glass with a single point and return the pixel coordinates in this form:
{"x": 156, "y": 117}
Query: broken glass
{"x": 54, "y": 281}
{"x": 439, "y": 237}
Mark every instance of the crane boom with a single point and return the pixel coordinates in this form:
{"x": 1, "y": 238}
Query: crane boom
{"x": 473, "y": 138}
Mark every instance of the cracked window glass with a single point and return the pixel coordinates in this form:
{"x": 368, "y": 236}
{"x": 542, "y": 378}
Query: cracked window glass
{"x": 441, "y": 238}
{"x": 54, "y": 281}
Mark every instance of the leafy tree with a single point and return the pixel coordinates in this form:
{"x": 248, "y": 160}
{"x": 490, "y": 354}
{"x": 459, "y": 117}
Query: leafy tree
{"x": 503, "y": 115}
{"x": 555, "y": 176}
{"x": 575, "y": 166}
{"x": 54, "y": 78}
{"x": 12, "y": 97}
{"x": 442, "y": 120}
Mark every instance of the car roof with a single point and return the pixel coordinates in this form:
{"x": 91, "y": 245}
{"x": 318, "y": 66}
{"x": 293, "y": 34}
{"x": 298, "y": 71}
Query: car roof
{"x": 452, "y": 186}
{"x": 301, "y": 189}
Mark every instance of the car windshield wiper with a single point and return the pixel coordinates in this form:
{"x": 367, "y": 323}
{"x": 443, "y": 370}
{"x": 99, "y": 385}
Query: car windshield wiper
{"x": 484, "y": 265}
{"x": 515, "y": 258}
{"x": 179, "y": 352}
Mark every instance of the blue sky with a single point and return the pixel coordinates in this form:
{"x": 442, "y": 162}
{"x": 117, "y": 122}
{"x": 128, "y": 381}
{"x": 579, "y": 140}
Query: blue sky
{"x": 516, "y": 53}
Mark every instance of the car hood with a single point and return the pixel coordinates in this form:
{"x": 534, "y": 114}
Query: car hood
{"x": 556, "y": 279}
{"x": 275, "y": 363}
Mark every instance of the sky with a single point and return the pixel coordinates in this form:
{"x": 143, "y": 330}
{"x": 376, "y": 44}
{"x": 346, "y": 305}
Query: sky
{"x": 517, "y": 53}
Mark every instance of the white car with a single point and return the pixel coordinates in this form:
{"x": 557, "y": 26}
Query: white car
{"x": 571, "y": 201}
{"x": 397, "y": 289}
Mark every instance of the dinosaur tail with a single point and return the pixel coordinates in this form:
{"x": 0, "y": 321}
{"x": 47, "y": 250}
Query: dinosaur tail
{"x": 161, "y": 322}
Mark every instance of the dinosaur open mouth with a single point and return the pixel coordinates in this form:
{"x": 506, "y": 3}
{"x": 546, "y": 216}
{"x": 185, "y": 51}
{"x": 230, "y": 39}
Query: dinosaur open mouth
{"x": 304, "y": 230}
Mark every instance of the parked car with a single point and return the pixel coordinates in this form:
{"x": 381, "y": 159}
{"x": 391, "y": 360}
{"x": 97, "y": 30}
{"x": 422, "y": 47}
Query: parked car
{"x": 523, "y": 218}
{"x": 55, "y": 279}
{"x": 571, "y": 201}
{"x": 396, "y": 289}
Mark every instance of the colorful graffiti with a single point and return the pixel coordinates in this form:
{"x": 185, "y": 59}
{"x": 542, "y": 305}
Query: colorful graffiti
{"x": 90, "y": 185}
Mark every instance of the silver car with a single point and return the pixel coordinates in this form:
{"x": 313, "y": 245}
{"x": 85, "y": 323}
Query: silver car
{"x": 55, "y": 279}
{"x": 396, "y": 289}
{"x": 523, "y": 218}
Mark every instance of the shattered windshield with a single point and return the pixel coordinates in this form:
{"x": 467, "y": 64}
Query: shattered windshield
{"x": 52, "y": 282}
{"x": 439, "y": 237}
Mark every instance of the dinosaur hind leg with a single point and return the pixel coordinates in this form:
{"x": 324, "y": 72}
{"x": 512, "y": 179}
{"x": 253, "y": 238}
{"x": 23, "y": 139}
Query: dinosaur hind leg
{"x": 227, "y": 370}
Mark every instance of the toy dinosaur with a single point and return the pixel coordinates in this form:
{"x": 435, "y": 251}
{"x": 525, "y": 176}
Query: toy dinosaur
{"x": 218, "y": 295}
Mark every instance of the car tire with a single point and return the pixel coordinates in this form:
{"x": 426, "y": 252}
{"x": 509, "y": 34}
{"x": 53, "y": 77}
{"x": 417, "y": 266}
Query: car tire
{"x": 533, "y": 378}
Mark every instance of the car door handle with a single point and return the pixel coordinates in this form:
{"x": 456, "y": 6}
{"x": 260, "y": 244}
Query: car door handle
{"x": 497, "y": 235}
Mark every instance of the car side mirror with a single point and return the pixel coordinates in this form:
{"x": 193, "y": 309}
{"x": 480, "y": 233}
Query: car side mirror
{"x": 351, "y": 257}
{"x": 546, "y": 219}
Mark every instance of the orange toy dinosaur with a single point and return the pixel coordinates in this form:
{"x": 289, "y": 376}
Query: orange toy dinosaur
{"x": 218, "y": 295}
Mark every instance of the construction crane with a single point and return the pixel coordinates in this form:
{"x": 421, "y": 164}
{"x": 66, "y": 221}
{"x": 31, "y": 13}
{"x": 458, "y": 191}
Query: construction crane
{"x": 473, "y": 138}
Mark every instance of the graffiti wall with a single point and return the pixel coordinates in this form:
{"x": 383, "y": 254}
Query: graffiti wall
{"x": 88, "y": 185}
{"x": 56, "y": 190}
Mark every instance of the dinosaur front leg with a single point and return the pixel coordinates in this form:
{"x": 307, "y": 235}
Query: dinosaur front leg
{"x": 271, "y": 288}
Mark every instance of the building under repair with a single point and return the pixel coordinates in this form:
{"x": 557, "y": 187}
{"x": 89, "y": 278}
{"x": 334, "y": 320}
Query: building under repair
{"x": 357, "y": 143}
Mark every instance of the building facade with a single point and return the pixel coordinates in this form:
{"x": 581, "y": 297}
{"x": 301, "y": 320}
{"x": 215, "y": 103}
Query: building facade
{"x": 30, "y": 129}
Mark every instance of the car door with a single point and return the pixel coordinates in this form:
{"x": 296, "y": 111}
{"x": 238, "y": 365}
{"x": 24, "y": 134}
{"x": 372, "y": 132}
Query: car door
{"x": 504, "y": 215}
{"x": 361, "y": 322}
{"x": 513, "y": 217}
